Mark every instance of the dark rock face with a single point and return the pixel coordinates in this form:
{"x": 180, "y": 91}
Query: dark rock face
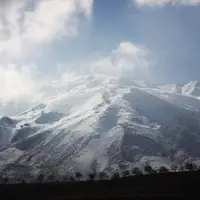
{"x": 6, "y": 121}
{"x": 23, "y": 133}
{"x": 49, "y": 118}
{"x": 6, "y": 125}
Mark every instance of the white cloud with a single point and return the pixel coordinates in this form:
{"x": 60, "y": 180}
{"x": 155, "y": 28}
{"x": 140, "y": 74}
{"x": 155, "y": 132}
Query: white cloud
{"x": 17, "y": 83}
{"x": 21, "y": 27}
{"x": 163, "y": 2}
{"x": 23, "y": 86}
{"x": 55, "y": 17}
{"x": 127, "y": 60}
{"x": 25, "y": 24}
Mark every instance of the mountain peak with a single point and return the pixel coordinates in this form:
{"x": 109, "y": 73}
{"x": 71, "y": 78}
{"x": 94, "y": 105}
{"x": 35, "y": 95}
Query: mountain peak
{"x": 192, "y": 88}
{"x": 195, "y": 83}
{"x": 101, "y": 122}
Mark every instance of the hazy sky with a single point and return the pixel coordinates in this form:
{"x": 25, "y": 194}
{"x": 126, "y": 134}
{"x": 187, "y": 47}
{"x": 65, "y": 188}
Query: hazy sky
{"x": 155, "y": 40}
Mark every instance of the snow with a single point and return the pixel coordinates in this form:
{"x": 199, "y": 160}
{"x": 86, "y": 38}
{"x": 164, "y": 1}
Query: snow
{"x": 192, "y": 88}
{"x": 171, "y": 88}
{"x": 103, "y": 121}
{"x": 155, "y": 162}
{"x": 9, "y": 156}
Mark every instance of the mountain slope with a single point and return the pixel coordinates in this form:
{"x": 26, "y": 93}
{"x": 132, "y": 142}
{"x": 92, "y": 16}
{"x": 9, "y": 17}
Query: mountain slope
{"x": 102, "y": 123}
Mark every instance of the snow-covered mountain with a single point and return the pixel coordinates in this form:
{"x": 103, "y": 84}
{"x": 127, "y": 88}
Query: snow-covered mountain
{"x": 102, "y": 123}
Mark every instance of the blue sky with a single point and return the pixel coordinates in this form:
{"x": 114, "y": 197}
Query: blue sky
{"x": 49, "y": 37}
{"x": 171, "y": 33}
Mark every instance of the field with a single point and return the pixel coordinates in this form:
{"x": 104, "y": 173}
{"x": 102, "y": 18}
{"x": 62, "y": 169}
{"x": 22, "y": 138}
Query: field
{"x": 156, "y": 186}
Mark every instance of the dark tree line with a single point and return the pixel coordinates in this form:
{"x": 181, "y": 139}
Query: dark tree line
{"x": 78, "y": 176}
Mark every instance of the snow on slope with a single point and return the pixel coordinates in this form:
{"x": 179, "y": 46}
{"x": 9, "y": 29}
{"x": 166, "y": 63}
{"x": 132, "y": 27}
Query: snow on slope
{"x": 192, "y": 88}
{"x": 103, "y": 123}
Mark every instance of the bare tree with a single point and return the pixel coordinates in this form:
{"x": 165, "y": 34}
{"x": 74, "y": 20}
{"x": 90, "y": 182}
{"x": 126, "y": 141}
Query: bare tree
{"x": 190, "y": 166}
{"x": 136, "y": 171}
{"x": 79, "y": 175}
{"x": 72, "y": 178}
{"x": 51, "y": 177}
{"x": 174, "y": 168}
{"x": 66, "y": 178}
{"x": 102, "y": 175}
{"x": 198, "y": 168}
{"x": 148, "y": 169}
{"x": 5, "y": 179}
{"x": 126, "y": 173}
{"x": 92, "y": 176}
{"x": 23, "y": 181}
{"x": 116, "y": 175}
{"x": 181, "y": 169}
{"x": 40, "y": 178}
{"x": 163, "y": 169}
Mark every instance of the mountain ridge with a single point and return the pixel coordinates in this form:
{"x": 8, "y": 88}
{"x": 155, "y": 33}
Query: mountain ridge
{"x": 103, "y": 124}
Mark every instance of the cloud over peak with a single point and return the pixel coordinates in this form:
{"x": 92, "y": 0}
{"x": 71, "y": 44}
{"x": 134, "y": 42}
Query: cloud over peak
{"x": 128, "y": 59}
{"x": 17, "y": 82}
